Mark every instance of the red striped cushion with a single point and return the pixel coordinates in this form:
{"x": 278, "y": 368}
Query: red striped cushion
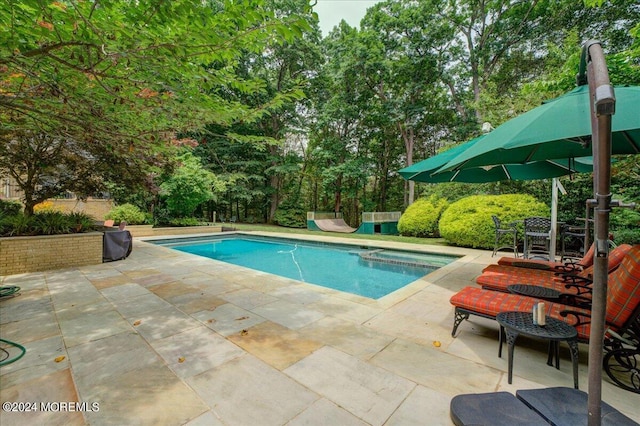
{"x": 585, "y": 262}
{"x": 617, "y": 254}
{"x": 615, "y": 257}
{"x": 498, "y": 278}
{"x": 491, "y": 303}
{"x": 623, "y": 295}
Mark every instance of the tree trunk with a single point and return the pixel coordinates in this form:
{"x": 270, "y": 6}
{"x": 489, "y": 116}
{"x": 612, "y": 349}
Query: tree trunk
{"x": 409, "y": 142}
{"x": 275, "y": 197}
{"x": 338, "y": 196}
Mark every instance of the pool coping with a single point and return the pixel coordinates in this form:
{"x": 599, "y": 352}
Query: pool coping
{"x": 464, "y": 255}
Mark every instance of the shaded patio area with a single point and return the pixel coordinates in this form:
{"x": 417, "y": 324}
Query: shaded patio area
{"x": 169, "y": 338}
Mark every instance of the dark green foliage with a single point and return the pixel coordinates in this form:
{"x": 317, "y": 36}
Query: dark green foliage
{"x": 625, "y": 226}
{"x": 189, "y": 186}
{"x": 186, "y": 221}
{"x": 45, "y": 223}
{"x": 291, "y": 217}
{"x": 81, "y": 222}
{"x": 421, "y": 218}
{"x": 52, "y": 222}
{"x": 9, "y": 207}
{"x": 468, "y": 222}
{"x": 18, "y": 224}
{"x": 162, "y": 217}
{"x": 128, "y": 213}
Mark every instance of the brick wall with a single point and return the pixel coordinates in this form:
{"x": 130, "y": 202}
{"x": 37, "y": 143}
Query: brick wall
{"x": 29, "y": 254}
{"x": 94, "y": 207}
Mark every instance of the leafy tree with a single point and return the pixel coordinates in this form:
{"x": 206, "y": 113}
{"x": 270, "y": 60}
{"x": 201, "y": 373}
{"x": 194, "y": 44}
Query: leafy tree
{"x": 334, "y": 158}
{"x": 189, "y": 186}
{"x": 119, "y": 81}
{"x": 406, "y": 55}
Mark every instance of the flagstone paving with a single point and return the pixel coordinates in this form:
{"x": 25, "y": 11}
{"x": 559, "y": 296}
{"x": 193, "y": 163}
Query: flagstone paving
{"x": 169, "y": 338}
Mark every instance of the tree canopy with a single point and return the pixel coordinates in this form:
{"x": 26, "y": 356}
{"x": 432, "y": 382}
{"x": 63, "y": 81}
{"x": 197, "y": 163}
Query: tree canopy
{"x": 122, "y": 79}
{"x": 107, "y": 93}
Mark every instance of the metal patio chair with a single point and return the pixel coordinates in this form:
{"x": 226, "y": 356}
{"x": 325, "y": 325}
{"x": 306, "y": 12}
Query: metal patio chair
{"x": 502, "y": 233}
{"x": 537, "y": 234}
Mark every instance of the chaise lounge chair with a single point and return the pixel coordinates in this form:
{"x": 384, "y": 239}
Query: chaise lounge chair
{"x": 571, "y": 264}
{"x": 498, "y": 277}
{"x": 623, "y": 301}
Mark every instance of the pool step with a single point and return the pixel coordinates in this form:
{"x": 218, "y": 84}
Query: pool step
{"x": 375, "y": 256}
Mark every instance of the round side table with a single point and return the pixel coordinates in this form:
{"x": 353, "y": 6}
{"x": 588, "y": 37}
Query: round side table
{"x": 534, "y": 291}
{"x": 514, "y": 323}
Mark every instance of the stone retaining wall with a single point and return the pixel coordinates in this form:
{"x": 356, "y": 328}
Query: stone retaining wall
{"x": 30, "y": 254}
{"x": 149, "y": 231}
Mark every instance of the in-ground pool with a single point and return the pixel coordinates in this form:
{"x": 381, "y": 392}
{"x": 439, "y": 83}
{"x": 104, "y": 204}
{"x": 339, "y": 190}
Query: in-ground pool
{"x": 369, "y": 272}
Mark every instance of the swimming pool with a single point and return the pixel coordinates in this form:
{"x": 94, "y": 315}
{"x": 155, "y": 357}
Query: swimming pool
{"x": 364, "y": 271}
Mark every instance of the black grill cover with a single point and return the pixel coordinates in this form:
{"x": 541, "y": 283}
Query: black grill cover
{"x": 116, "y": 245}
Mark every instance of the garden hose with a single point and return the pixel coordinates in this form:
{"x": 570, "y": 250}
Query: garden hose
{"x": 6, "y": 360}
{"x": 10, "y": 290}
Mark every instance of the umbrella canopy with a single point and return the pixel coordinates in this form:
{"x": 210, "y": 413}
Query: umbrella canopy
{"x": 559, "y": 128}
{"x": 424, "y": 170}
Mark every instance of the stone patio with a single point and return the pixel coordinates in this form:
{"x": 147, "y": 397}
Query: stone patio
{"x": 168, "y": 338}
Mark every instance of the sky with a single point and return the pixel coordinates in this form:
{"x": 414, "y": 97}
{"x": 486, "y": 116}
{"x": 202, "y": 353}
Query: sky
{"x": 331, "y": 12}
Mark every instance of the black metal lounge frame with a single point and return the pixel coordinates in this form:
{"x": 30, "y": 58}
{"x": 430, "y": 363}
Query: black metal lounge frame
{"x": 622, "y": 348}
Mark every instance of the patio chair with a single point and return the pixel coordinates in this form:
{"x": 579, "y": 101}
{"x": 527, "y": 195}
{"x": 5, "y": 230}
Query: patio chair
{"x": 571, "y": 241}
{"x": 623, "y": 302}
{"x": 499, "y": 277}
{"x": 567, "y": 264}
{"x": 510, "y": 232}
{"x": 537, "y": 232}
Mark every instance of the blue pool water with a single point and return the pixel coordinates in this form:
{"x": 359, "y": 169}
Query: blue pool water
{"x": 374, "y": 274}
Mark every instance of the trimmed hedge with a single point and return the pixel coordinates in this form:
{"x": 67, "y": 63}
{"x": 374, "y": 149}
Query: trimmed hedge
{"x": 128, "y": 213}
{"x": 468, "y": 223}
{"x": 421, "y": 218}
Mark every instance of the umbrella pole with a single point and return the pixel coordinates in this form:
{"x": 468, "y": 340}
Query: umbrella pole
{"x": 602, "y": 108}
{"x": 553, "y": 234}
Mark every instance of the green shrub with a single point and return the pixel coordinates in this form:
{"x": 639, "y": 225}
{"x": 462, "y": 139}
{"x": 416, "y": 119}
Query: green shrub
{"x": 9, "y": 208}
{"x": 18, "y": 224}
{"x": 468, "y": 223}
{"x": 421, "y": 218}
{"x": 186, "y": 221}
{"x": 625, "y": 226}
{"x": 81, "y": 222}
{"x": 161, "y": 217}
{"x": 291, "y": 216}
{"x": 627, "y": 236}
{"x": 128, "y": 213}
{"x": 52, "y": 222}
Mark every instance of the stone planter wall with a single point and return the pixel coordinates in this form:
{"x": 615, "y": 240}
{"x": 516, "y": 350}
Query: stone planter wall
{"x": 41, "y": 253}
{"x": 30, "y": 254}
{"x": 149, "y": 231}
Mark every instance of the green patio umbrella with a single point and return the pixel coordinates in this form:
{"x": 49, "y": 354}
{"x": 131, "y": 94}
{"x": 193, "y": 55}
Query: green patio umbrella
{"x": 423, "y": 171}
{"x": 595, "y": 119}
{"x": 559, "y": 128}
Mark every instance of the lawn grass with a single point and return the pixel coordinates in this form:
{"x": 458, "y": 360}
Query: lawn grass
{"x": 303, "y": 231}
